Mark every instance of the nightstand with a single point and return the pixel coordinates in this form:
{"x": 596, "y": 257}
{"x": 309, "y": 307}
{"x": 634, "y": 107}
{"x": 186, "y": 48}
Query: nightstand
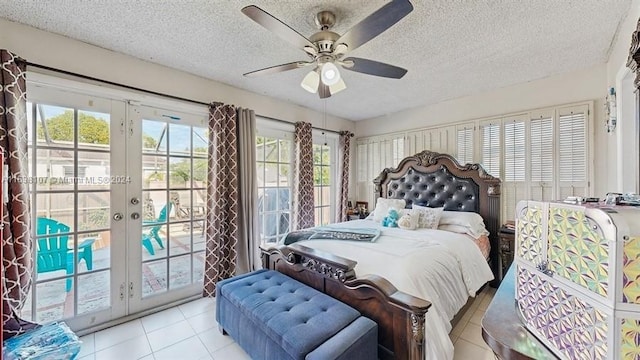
{"x": 506, "y": 241}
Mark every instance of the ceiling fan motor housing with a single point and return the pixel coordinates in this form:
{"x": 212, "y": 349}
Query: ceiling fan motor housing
{"x": 324, "y": 40}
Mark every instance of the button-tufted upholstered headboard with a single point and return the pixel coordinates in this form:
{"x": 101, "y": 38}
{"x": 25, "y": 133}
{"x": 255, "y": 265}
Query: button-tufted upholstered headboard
{"x": 433, "y": 179}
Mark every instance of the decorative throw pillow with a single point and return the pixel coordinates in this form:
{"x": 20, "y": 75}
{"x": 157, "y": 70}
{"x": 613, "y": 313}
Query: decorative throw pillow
{"x": 383, "y": 205}
{"x": 429, "y": 217}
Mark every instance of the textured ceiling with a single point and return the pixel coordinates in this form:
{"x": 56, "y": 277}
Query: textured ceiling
{"x": 451, "y": 48}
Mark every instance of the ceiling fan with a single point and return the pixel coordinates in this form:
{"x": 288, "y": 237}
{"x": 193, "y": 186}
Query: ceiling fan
{"x": 326, "y": 49}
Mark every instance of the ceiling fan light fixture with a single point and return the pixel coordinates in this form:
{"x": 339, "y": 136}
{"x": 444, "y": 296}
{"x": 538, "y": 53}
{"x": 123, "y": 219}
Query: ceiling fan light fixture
{"x": 311, "y": 82}
{"x": 329, "y": 74}
{"x": 337, "y": 87}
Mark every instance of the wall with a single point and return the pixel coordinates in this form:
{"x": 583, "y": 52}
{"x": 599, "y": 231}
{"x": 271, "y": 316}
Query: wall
{"x": 586, "y": 84}
{"x": 60, "y": 52}
{"x": 624, "y": 140}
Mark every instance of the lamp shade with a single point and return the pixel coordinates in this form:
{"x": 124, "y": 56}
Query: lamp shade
{"x": 337, "y": 87}
{"x": 329, "y": 74}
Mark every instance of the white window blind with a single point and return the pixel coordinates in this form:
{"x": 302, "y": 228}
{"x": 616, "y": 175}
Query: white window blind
{"x": 398, "y": 150}
{"x": 541, "y": 151}
{"x": 514, "y": 150}
{"x": 491, "y": 147}
{"x": 572, "y": 146}
{"x": 464, "y": 153}
{"x": 362, "y": 162}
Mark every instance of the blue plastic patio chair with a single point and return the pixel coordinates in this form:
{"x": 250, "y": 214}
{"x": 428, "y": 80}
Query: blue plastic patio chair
{"x": 53, "y": 251}
{"x": 149, "y": 233}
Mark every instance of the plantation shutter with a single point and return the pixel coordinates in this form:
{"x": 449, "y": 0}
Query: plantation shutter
{"x": 490, "y": 132}
{"x": 362, "y": 178}
{"x": 415, "y": 142}
{"x": 514, "y": 181}
{"x": 572, "y": 151}
{"x": 397, "y": 150}
{"x": 375, "y": 167}
{"x": 541, "y": 156}
{"x": 464, "y": 144}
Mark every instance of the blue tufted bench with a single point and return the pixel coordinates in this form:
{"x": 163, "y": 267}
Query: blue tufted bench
{"x": 272, "y": 316}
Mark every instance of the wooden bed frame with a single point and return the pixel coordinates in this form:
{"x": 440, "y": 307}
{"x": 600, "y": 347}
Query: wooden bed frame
{"x": 427, "y": 178}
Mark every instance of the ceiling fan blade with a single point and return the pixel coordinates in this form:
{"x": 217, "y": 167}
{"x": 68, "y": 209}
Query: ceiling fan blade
{"x": 376, "y": 23}
{"x": 375, "y": 68}
{"x": 276, "y": 26}
{"x": 278, "y": 68}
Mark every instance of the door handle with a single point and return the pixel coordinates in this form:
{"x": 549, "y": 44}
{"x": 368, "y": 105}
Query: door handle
{"x": 118, "y": 216}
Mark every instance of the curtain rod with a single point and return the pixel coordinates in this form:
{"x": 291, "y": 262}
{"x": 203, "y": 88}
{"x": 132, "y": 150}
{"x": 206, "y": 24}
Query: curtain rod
{"x": 341, "y": 132}
{"x": 113, "y": 83}
{"x": 49, "y": 68}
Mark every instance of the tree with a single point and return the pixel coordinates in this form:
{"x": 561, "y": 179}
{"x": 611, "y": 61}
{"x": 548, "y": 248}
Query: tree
{"x": 92, "y": 130}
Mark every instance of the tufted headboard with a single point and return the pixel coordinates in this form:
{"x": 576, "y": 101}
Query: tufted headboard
{"x": 438, "y": 180}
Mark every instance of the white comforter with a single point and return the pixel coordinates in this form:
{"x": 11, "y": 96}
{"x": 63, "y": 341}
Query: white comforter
{"x": 440, "y": 266}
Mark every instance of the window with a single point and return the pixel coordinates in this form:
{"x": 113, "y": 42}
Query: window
{"x": 541, "y": 150}
{"x": 491, "y": 158}
{"x": 398, "y": 150}
{"x": 572, "y": 151}
{"x": 322, "y": 184}
{"x": 464, "y": 153}
{"x": 273, "y": 156}
{"x": 514, "y": 151}
{"x": 572, "y": 146}
{"x": 541, "y": 157}
{"x": 540, "y": 154}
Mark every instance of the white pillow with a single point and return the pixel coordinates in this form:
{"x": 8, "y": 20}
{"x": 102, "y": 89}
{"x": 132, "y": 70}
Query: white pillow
{"x": 429, "y": 217}
{"x": 463, "y": 218}
{"x": 475, "y": 233}
{"x": 473, "y": 222}
{"x": 383, "y": 205}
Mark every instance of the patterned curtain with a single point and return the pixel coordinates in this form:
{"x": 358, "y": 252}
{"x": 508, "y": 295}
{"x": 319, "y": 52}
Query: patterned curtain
{"x": 222, "y": 198}
{"x": 345, "y": 146}
{"x": 17, "y": 261}
{"x": 303, "y": 216}
{"x": 249, "y": 236}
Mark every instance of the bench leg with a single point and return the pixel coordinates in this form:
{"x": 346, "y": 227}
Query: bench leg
{"x": 221, "y": 329}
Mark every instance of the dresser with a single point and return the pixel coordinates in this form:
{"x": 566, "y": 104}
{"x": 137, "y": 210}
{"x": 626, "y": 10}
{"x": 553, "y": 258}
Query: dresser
{"x": 577, "y": 283}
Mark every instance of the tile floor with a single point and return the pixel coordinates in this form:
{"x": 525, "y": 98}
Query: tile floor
{"x": 189, "y": 332}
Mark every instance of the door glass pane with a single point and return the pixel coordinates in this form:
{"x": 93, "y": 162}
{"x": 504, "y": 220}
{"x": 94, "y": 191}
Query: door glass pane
{"x": 93, "y": 172}
{"x": 55, "y": 126}
{"x": 200, "y": 141}
{"x": 154, "y": 172}
{"x": 154, "y": 137}
{"x": 93, "y": 289}
{"x": 154, "y": 277}
{"x": 179, "y": 271}
{"x": 179, "y": 173}
{"x": 54, "y": 168}
{"x": 179, "y": 139}
{"x": 93, "y": 130}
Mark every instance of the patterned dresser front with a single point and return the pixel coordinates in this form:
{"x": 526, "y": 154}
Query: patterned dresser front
{"x": 578, "y": 278}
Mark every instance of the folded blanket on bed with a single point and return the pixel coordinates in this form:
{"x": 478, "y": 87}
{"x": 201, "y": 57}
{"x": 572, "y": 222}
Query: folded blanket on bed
{"x": 329, "y": 233}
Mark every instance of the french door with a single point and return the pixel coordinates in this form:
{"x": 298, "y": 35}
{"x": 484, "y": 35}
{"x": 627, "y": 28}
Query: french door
{"x": 118, "y": 203}
{"x": 166, "y": 206}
